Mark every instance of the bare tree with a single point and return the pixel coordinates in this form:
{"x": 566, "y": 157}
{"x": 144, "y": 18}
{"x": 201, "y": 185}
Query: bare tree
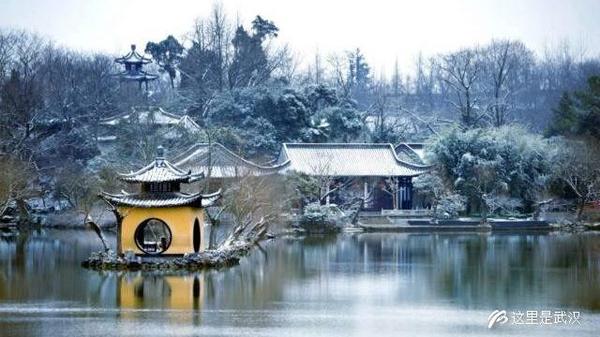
{"x": 15, "y": 184}
{"x": 507, "y": 67}
{"x": 462, "y": 71}
{"x": 253, "y": 204}
{"x": 392, "y": 187}
{"x": 8, "y": 41}
{"x": 578, "y": 166}
{"x": 339, "y": 68}
{"x": 327, "y": 181}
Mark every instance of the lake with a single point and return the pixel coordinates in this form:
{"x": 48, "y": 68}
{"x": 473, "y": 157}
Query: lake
{"x": 362, "y": 284}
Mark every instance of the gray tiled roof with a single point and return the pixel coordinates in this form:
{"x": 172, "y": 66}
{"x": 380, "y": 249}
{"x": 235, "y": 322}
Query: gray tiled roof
{"x": 411, "y": 152}
{"x": 160, "y": 170}
{"x": 163, "y": 199}
{"x": 150, "y": 116}
{"x": 346, "y": 159}
{"x": 223, "y": 162}
{"x": 158, "y": 117}
{"x": 133, "y": 57}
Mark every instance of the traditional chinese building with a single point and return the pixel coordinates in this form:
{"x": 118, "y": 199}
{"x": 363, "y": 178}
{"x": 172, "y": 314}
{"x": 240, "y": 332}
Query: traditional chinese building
{"x": 134, "y": 63}
{"x": 151, "y": 119}
{"x": 161, "y": 219}
{"x": 380, "y": 173}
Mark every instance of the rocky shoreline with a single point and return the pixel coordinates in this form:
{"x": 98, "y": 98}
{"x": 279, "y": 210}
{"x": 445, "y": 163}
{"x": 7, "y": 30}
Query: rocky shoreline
{"x": 218, "y": 258}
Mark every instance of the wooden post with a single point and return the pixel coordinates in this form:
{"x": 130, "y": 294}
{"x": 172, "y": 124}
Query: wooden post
{"x": 119, "y": 246}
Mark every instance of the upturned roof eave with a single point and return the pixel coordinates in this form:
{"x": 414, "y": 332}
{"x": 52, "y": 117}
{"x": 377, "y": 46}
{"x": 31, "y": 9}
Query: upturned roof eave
{"x": 136, "y": 200}
{"x": 177, "y": 175}
{"x": 181, "y": 158}
{"x": 178, "y": 199}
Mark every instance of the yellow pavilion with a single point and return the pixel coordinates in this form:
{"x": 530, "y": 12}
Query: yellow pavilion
{"x": 161, "y": 219}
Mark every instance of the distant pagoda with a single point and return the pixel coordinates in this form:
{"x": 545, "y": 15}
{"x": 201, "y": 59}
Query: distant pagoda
{"x": 160, "y": 218}
{"x": 134, "y": 63}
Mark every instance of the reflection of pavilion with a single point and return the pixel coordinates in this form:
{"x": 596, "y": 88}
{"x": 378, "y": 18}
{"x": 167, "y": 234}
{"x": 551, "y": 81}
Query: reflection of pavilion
{"x": 155, "y": 291}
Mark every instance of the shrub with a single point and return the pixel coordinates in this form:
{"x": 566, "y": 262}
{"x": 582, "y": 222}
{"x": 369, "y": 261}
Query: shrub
{"x": 318, "y": 218}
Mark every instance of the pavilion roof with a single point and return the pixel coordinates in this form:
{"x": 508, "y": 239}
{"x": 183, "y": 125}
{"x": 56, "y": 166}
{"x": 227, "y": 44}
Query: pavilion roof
{"x": 133, "y": 57}
{"x": 138, "y": 75}
{"x": 169, "y": 199}
{"x": 160, "y": 170}
{"x": 347, "y": 159}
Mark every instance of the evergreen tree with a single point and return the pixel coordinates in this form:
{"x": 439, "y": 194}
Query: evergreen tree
{"x": 578, "y": 114}
{"x": 359, "y": 77}
{"x": 590, "y": 104}
{"x": 565, "y": 120}
{"x": 250, "y": 65}
{"x": 167, "y": 54}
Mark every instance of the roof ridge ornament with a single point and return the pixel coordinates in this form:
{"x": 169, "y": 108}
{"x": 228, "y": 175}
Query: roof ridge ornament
{"x": 160, "y": 152}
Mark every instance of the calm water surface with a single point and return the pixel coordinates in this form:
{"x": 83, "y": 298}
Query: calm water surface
{"x": 349, "y": 285}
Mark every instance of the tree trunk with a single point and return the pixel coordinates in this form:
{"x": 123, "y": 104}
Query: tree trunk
{"x": 434, "y": 215}
{"x": 23, "y": 212}
{"x": 98, "y": 232}
{"x": 580, "y": 208}
{"x": 212, "y": 238}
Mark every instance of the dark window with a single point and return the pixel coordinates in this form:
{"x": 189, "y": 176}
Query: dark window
{"x": 160, "y": 187}
{"x": 153, "y": 236}
{"x": 197, "y": 237}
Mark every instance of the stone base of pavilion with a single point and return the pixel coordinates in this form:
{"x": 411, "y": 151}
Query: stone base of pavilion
{"x": 224, "y": 256}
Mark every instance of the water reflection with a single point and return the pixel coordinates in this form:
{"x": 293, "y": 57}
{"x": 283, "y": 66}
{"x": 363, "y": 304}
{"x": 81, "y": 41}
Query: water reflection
{"x": 333, "y": 282}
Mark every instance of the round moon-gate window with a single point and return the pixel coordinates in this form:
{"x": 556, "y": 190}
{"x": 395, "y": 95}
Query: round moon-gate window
{"x": 153, "y": 236}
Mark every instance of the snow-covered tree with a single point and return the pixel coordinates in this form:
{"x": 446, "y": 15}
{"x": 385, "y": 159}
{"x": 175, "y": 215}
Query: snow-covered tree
{"x": 484, "y": 164}
{"x": 578, "y": 166}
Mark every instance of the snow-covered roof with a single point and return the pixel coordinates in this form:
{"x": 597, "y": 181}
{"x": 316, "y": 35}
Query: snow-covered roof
{"x": 411, "y": 152}
{"x": 169, "y": 199}
{"x": 160, "y": 170}
{"x": 223, "y": 163}
{"x": 346, "y": 159}
{"x": 187, "y": 123}
{"x": 154, "y": 117}
{"x": 133, "y": 57}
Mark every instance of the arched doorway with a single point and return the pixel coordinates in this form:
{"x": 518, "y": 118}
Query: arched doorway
{"x": 153, "y": 236}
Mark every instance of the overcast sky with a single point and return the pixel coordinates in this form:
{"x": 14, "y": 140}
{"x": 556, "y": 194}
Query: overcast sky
{"x": 384, "y": 30}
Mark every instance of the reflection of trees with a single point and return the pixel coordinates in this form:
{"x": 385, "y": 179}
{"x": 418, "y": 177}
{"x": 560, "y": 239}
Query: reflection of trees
{"x": 491, "y": 270}
{"x": 45, "y": 264}
{"x": 471, "y": 270}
